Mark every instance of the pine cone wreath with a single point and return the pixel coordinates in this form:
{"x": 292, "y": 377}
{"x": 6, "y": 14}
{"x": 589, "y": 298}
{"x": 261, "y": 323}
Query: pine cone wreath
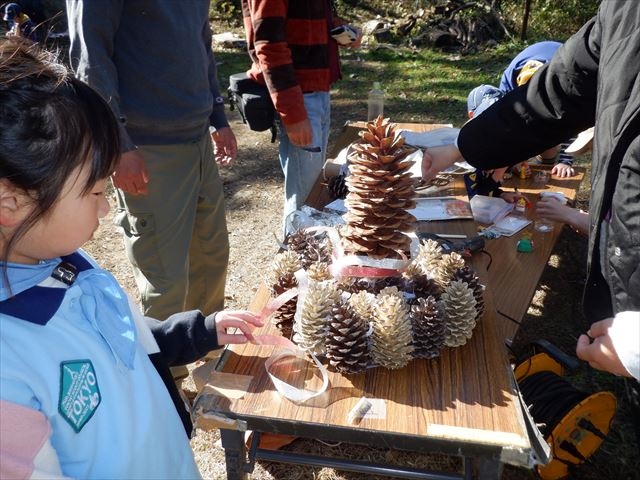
{"x": 347, "y": 344}
{"x": 285, "y": 264}
{"x": 460, "y": 313}
{"x": 337, "y": 186}
{"x": 427, "y": 320}
{"x": 381, "y": 191}
{"x": 392, "y": 339}
{"x": 310, "y": 330}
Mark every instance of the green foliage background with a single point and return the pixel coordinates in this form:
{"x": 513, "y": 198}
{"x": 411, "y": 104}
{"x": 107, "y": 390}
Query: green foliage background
{"x": 549, "y": 19}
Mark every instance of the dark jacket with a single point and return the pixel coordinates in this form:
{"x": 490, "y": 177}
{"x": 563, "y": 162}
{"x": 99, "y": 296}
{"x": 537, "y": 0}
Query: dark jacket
{"x": 594, "y": 78}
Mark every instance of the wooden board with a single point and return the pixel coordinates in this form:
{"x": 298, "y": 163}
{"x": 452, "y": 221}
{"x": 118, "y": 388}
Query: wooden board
{"x": 466, "y": 397}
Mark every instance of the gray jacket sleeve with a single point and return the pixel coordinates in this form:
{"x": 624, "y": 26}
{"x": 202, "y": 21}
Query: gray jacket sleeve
{"x": 91, "y": 54}
{"x": 218, "y": 119}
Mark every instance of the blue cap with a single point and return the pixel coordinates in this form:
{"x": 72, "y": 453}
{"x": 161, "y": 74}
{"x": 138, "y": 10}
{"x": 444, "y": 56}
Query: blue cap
{"x": 481, "y": 98}
{"x": 11, "y": 11}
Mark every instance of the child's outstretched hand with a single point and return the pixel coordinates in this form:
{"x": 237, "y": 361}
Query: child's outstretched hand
{"x": 243, "y": 320}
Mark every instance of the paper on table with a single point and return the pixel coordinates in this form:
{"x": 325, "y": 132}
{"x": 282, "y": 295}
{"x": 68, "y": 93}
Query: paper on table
{"x": 509, "y": 225}
{"x": 489, "y": 210}
{"x": 433, "y": 138}
{"x": 441, "y": 208}
{"x": 434, "y": 208}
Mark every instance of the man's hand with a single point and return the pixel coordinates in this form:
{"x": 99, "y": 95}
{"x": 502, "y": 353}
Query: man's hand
{"x": 300, "y": 134}
{"x": 131, "y": 175}
{"x": 553, "y": 209}
{"x": 358, "y": 41}
{"x": 436, "y": 159}
{"x": 512, "y": 197}
{"x": 600, "y": 353}
{"x": 225, "y": 147}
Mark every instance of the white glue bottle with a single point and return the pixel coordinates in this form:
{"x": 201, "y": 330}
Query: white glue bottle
{"x": 375, "y": 102}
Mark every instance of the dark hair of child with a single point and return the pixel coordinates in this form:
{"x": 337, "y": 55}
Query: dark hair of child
{"x": 50, "y": 125}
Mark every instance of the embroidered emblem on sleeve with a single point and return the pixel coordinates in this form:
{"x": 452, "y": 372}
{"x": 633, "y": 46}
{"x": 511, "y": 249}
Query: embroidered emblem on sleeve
{"x": 79, "y": 392}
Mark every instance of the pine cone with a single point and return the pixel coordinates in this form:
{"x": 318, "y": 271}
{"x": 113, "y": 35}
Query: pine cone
{"x": 472, "y": 280}
{"x": 355, "y": 284}
{"x": 310, "y": 249}
{"x": 319, "y": 271}
{"x": 371, "y": 285}
{"x": 460, "y": 313}
{"x": 311, "y": 330}
{"x": 381, "y": 191}
{"x": 413, "y": 270}
{"x": 362, "y": 304}
{"x": 284, "y": 266}
{"x": 285, "y": 263}
{"x": 347, "y": 343}
{"x": 337, "y": 186}
{"x": 429, "y": 329}
{"x": 391, "y": 341}
{"x": 447, "y": 267}
{"x": 422, "y": 287}
{"x": 429, "y": 255}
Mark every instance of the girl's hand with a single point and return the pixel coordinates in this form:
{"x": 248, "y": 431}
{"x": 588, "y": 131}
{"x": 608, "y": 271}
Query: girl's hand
{"x": 242, "y": 320}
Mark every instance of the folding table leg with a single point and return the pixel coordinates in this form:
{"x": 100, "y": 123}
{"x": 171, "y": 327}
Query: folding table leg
{"x": 489, "y": 468}
{"x": 235, "y": 454}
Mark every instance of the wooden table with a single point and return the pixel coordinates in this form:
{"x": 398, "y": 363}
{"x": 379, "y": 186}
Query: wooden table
{"x": 464, "y": 403}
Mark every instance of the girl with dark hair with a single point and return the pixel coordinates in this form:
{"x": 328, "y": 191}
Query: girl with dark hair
{"x": 85, "y": 386}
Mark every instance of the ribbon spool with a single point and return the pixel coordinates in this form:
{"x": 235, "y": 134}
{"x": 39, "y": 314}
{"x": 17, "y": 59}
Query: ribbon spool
{"x": 574, "y": 423}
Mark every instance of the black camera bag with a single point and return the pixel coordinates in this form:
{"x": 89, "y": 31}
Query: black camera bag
{"x": 252, "y": 101}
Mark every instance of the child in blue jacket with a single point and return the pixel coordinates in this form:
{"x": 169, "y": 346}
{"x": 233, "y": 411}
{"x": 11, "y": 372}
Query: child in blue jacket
{"x": 85, "y": 387}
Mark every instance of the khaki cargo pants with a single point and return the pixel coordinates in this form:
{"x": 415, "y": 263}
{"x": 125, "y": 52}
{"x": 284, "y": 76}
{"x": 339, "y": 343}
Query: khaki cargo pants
{"x": 176, "y": 236}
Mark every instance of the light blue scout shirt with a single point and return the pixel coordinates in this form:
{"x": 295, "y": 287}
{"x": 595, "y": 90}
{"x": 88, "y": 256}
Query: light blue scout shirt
{"x": 85, "y": 365}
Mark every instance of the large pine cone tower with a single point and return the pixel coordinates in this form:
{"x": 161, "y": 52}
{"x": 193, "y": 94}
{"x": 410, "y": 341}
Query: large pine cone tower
{"x": 381, "y": 191}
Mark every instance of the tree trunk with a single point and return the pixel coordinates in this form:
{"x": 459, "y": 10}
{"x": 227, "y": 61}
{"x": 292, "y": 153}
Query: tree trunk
{"x": 525, "y": 20}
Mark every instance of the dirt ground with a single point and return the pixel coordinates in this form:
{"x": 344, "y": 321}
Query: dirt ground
{"x": 253, "y": 194}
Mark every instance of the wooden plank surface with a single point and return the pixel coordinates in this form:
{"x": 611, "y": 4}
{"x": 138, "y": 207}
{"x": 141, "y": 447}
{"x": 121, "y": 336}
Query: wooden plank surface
{"x": 468, "y": 389}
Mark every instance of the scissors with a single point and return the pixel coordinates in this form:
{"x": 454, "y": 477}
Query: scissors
{"x": 437, "y": 181}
